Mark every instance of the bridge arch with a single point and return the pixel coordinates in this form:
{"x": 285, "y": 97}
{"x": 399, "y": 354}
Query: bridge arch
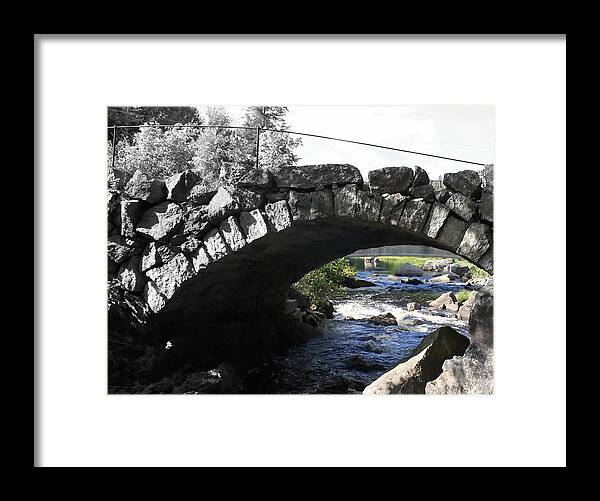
{"x": 185, "y": 252}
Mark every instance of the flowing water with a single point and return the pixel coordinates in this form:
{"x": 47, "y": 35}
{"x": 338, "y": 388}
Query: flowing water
{"x": 353, "y": 352}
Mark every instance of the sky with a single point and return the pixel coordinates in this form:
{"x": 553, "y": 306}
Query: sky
{"x": 464, "y": 132}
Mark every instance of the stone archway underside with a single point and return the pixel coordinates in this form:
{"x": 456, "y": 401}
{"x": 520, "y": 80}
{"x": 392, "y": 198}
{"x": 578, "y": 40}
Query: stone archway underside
{"x": 186, "y": 251}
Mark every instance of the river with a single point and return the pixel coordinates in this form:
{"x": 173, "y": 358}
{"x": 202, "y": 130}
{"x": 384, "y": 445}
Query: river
{"x": 353, "y": 352}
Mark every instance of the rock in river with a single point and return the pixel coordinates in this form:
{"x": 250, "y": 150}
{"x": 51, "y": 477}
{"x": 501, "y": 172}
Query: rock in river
{"x": 424, "y": 364}
{"x": 386, "y": 319}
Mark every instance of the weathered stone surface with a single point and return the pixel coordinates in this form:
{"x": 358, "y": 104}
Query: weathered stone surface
{"x": 421, "y": 177}
{"x": 171, "y": 275}
{"x": 306, "y": 177}
{"x": 196, "y": 221}
{"x": 156, "y": 301}
{"x": 215, "y": 244}
{"x": 486, "y": 206}
{"x": 130, "y": 275}
{"x": 142, "y": 187}
{"x": 117, "y": 179}
{"x": 446, "y": 278}
{"x": 232, "y": 233}
{"x": 413, "y": 306}
{"x": 203, "y": 191}
{"x": 167, "y": 252}
{"x": 278, "y": 215}
{"x": 452, "y": 232}
{"x": 256, "y": 178}
{"x": 466, "y": 182}
{"x": 346, "y": 200}
{"x": 300, "y": 206}
{"x": 424, "y": 364}
{"x": 409, "y": 270}
{"x": 229, "y": 201}
{"x": 424, "y": 191}
{"x": 487, "y": 260}
{"x": 137, "y": 306}
{"x": 321, "y": 204}
{"x": 200, "y": 258}
{"x": 476, "y": 241}
{"x": 437, "y": 217}
{"x": 464, "y": 312}
{"x": 461, "y": 206}
{"x": 253, "y": 225}
{"x": 150, "y": 257}
{"x": 391, "y": 208}
{"x": 160, "y": 222}
{"x": 444, "y": 301}
{"x": 179, "y": 185}
{"x": 415, "y": 215}
{"x": 190, "y": 245}
{"x": 369, "y": 206}
{"x": 120, "y": 248}
{"x": 473, "y": 372}
{"x": 391, "y": 180}
{"x": 457, "y": 269}
{"x": 131, "y": 211}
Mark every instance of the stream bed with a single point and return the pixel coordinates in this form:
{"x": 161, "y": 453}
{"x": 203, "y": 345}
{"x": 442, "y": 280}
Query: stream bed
{"x": 352, "y": 351}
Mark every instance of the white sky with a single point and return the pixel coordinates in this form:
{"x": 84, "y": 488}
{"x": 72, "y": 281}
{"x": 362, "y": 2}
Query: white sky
{"x": 464, "y": 132}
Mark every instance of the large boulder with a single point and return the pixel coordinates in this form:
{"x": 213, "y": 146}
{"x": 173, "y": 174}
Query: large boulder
{"x": 179, "y": 185}
{"x": 196, "y": 220}
{"x": 171, "y": 275}
{"x": 391, "y": 180}
{"x": 306, "y": 177}
{"x": 346, "y": 200}
{"x": 421, "y": 177}
{"x": 409, "y": 270}
{"x": 278, "y": 215}
{"x": 229, "y": 201}
{"x": 476, "y": 241}
{"x": 462, "y": 206}
{"x": 131, "y": 210}
{"x": 424, "y": 191}
{"x": 160, "y": 222}
{"x": 486, "y": 206}
{"x": 142, "y": 187}
{"x": 447, "y": 301}
{"x": 391, "y": 208}
{"x": 472, "y": 373}
{"x": 437, "y": 217}
{"x": 415, "y": 214}
{"x": 423, "y": 365}
{"x": 203, "y": 191}
{"x": 466, "y": 182}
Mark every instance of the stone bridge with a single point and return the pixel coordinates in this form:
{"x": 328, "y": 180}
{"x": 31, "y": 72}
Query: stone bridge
{"x": 188, "y": 250}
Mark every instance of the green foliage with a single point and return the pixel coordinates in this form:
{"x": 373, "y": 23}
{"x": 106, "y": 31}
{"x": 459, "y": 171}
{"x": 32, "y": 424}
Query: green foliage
{"x": 463, "y": 295}
{"x": 323, "y": 284}
{"x": 476, "y": 272}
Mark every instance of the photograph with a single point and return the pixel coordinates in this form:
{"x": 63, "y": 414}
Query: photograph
{"x": 249, "y": 255}
{"x": 296, "y": 250}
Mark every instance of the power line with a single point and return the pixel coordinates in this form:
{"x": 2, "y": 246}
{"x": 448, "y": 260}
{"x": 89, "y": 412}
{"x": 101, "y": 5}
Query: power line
{"x": 301, "y": 134}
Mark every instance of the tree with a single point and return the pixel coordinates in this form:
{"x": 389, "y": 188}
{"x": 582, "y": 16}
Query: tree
{"x": 138, "y": 115}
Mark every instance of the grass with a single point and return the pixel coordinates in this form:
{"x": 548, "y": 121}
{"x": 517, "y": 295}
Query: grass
{"x": 400, "y": 260}
{"x": 462, "y": 296}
